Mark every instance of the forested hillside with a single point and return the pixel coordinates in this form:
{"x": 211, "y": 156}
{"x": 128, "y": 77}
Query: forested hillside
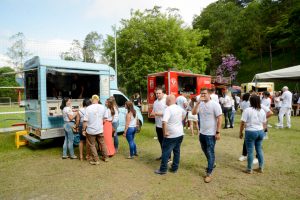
{"x": 263, "y": 34}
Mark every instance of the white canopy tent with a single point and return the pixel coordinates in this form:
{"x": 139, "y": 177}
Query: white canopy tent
{"x": 286, "y": 74}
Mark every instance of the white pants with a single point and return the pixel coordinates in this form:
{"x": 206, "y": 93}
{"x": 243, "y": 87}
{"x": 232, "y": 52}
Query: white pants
{"x": 287, "y": 113}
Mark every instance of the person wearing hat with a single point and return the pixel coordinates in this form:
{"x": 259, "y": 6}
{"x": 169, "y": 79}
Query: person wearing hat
{"x": 285, "y": 109}
{"x": 93, "y": 129}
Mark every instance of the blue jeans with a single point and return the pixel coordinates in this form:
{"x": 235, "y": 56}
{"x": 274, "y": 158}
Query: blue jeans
{"x": 254, "y": 138}
{"x": 130, "y": 138}
{"x": 69, "y": 139}
{"x": 169, "y": 145}
{"x": 116, "y": 139}
{"x": 207, "y": 143}
{"x": 232, "y": 116}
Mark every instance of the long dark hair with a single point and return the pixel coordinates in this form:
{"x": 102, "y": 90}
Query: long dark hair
{"x": 255, "y": 102}
{"x": 110, "y": 106}
{"x": 129, "y": 106}
{"x": 86, "y": 102}
{"x": 64, "y": 102}
{"x": 246, "y": 97}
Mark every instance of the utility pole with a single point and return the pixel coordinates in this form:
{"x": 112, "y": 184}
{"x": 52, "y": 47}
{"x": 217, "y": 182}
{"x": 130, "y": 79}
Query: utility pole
{"x": 116, "y": 67}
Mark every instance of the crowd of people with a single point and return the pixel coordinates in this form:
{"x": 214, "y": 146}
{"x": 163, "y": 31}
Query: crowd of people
{"x": 96, "y": 126}
{"x": 95, "y": 122}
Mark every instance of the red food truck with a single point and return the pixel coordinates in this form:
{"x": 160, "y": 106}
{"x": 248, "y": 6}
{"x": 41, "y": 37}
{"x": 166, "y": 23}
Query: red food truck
{"x": 177, "y": 83}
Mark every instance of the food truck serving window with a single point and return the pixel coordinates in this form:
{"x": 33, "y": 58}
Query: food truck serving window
{"x": 187, "y": 85}
{"x": 31, "y": 84}
{"x": 74, "y": 85}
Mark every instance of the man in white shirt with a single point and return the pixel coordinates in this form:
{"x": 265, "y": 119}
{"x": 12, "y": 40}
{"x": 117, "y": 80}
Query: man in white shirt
{"x": 213, "y": 95}
{"x": 173, "y": 135}
{"x": 93, "y": 129}
{"x": 210, "y": 125}
{"x": 285, "y": 108}
{"x": 159, "y": 107}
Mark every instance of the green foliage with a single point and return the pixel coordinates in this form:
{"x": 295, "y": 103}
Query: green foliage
{"x": 153, "y": 41}
{"x": 8, "y": 80}
{"x": 251, "y": 29}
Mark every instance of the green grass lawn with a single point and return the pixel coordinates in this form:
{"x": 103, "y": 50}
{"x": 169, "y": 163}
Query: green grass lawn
{"x": 38, "y": 172}
{"x": 6, "y": 120}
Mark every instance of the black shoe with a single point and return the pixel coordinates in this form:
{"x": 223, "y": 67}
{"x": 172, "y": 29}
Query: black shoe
{"x": 173, "y": 171}
{"x": 159, "y": 172}
{"x": 231, "y": 127}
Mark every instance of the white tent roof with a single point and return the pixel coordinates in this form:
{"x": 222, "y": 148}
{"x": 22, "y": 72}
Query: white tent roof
{"x": 287, "y": 74}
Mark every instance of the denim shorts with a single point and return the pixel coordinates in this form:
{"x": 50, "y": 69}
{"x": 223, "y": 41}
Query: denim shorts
{"x": 115, "y": 125}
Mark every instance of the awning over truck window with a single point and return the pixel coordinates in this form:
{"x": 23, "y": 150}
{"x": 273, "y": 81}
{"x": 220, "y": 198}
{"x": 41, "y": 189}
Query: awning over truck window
{"x": 73, "y": 71}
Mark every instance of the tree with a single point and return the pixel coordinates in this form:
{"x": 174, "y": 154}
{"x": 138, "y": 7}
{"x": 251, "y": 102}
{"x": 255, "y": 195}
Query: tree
{"x": 153, "y": 41}
{"x": 7, "y": 80}
{"x": 75, "y": 52}
{"x": 17, "y": 52}
{"x": 220, "y": 19}
{"x": 92, "y": 47}
{"x": 229, "y": 67}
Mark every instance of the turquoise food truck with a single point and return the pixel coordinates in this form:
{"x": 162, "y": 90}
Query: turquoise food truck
{"x": 48, "y": 81}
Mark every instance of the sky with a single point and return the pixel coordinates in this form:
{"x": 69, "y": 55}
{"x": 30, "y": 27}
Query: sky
{"x": 51, "y": 25}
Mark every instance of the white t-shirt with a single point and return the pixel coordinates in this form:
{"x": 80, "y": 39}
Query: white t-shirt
{"x": 67, "y": 111}
{"x": 266, "y": 102}
{"x": 214, "y": 98}
{"x": 277, "y": 102}
{"x": 208, "y": 117}
{"x": 226, "y": 101}
{"x": 132, "y": 122}
{"x": 82, "y": 114}
{"x": 287, "y": 98}
{"x": 159, "y": 106}
{"x": 94, "y": 118}
{"x": 254, "y": 119}
{"x": 244, "y": 105}
{"x": 107, "y": 115}
{"x": 116, "y": 116}
{"x": 265, "y": 108}
{"x": 237, "y": 99}
{"x": 173, "y": 117}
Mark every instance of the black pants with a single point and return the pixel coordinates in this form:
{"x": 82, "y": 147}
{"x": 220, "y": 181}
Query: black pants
{"x": 227, "y": 113}
{"x": 160, "y": 136}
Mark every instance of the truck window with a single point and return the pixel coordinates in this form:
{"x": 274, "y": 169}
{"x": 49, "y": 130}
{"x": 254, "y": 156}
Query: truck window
{"x": 120, "y": 100}
{"x": 76, "y": 86}
{"x": 187, "y": 85}
{"x": 31, "y": 84}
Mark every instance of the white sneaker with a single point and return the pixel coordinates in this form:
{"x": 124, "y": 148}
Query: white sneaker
{"x": 269, "y": 126}
{"x": 255, "y": 161}
{"x": 242, "y": 158}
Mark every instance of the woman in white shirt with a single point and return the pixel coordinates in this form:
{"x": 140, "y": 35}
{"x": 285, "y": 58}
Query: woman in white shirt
{"x": 130, "y": 128}
{"x": 227, "y": 109}
{"x": 254, "y": 121}
{"x": 69, "y": 116}
{"x": 107, "y": 127}
{"x": 115, "y": 123}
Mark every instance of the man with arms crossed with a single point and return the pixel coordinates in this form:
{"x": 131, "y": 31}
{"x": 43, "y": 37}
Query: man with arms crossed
{"x": 93, "y": 129}
{"x": 173, "y": 135}
{"x": 158, "y": 110}
{"x": 210, "y": 125}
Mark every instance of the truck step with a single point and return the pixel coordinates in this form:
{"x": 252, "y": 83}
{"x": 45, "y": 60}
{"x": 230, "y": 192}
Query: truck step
{"x": 31, "y": 139}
